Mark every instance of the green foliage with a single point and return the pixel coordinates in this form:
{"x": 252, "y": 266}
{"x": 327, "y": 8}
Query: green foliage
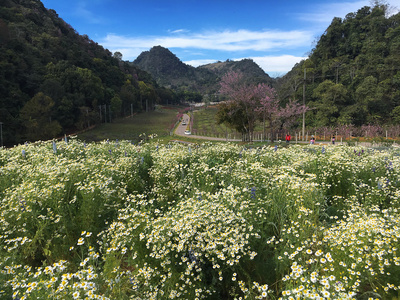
{"x": 40, "y": 53}
{"x": 396, "y": 114}
{"x": 233, "y": 115}
{"x": 358, "y": 55}
{"x": 36, "y": 116}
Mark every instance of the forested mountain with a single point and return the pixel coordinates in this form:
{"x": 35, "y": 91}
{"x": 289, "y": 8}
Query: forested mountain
{"x": 246, "y": 66}
{"x": 170, "y": 71}
{"x": 352, "y": 76}
{"x": 165, "y": 67}
{"x": 53, "y": 80}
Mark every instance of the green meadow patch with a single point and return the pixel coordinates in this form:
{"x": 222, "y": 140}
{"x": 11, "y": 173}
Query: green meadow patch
{"x": 158, "y": 122}
{"x": 204, "y": 124}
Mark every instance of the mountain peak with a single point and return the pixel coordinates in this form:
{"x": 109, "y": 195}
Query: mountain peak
{"x": 165, "y": 67}
{"x": 168, "y": 70}
{"x": 157, "y": 51}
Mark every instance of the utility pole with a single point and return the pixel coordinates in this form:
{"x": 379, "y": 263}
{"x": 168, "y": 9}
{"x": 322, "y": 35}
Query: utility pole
{"x": 304, "y": 101}
{"x": 1, "y": 133}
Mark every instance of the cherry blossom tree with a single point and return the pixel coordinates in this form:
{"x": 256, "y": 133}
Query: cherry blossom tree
{"x": 248, "y": 103}
{"x": 239, "y": 111}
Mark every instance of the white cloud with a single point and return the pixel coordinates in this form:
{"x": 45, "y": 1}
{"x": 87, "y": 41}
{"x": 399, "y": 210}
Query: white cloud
{"x": 200, "y": 62}
{"x": 129, "y": 53}
{"x": 395, "y": 4}
{"x": 178, "y": 31}
{"x": 240, "y": 40}
{"x": 322, "y": 14}
{"x": 276, "y": 66}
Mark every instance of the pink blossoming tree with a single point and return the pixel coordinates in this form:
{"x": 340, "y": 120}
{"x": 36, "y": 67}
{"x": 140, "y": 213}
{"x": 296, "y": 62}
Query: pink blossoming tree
{"x": 249, "y": 103}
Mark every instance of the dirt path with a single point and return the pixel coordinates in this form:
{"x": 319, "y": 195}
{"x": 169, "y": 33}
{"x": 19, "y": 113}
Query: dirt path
{"x": 180, "y": 130}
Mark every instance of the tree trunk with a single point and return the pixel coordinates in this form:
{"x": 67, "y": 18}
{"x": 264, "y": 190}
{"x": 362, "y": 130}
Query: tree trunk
{"x": 263, "y": 137}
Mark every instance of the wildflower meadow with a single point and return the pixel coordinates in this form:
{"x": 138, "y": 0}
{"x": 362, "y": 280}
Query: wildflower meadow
{"x": 117, "y": 220}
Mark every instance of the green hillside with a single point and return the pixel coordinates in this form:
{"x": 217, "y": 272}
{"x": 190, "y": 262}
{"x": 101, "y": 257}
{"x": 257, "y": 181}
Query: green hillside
{"x": 245, "y": 66}
{"x": 53, "y": 80}
{"x": 352, "y": 76}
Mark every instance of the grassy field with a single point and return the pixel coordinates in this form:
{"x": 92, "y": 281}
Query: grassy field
{"x": 157, "y": 122}
{"x": 161, "y": 122}
{"x": 204, "y": 123}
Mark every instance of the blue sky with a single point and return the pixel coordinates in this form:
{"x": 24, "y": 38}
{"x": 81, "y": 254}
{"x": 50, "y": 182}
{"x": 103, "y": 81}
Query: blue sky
{"x": 275, "y": 34}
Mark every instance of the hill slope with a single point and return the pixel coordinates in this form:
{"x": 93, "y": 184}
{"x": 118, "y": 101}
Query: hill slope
{"x": 165, "y": 67}
{"x": 53, "y": 80}
{"x": 246, "y": 66}
{"x": 169, "y": 71}
{"x": 353, "y": 73}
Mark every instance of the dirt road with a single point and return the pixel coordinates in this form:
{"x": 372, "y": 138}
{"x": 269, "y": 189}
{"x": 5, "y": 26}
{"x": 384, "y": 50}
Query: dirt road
{"x": 180, "y": 130}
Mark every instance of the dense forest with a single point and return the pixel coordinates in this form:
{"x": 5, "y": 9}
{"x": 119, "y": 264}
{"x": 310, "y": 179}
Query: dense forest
{"x": 352, "y": 76}
{"x": 53, "y": 80}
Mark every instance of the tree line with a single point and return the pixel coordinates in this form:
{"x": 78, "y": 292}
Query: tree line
{"x": 352, "y": 76}
{"x": 54, "y": 80}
